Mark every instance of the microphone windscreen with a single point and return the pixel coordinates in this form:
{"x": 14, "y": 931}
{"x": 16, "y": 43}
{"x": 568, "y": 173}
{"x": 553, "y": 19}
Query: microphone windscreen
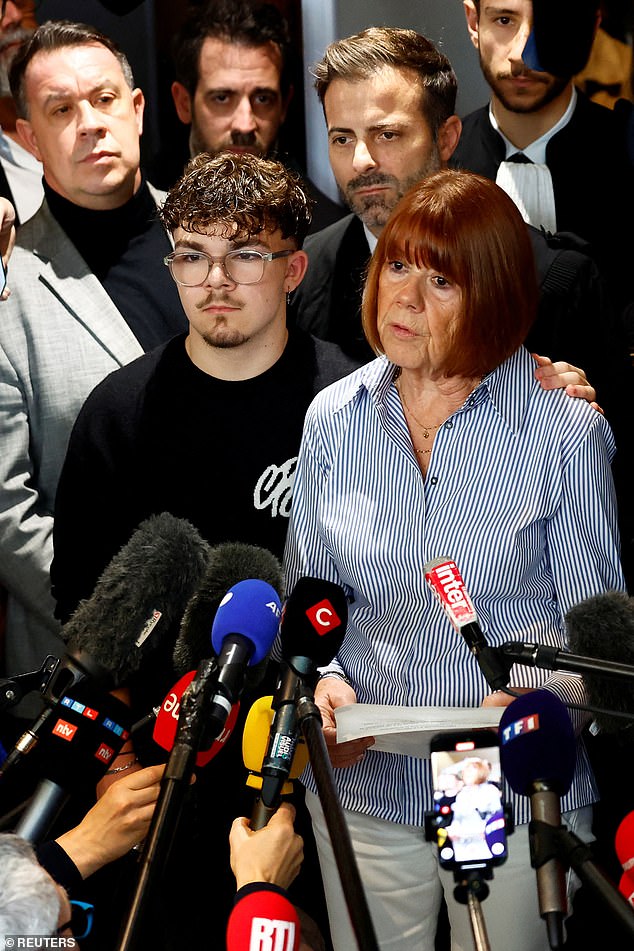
{"x": 252, "y": 609}
{"x": 263, "y": 919}
{"x": 603, "y": 627}
{"x": 314, "y": 621}
{"x": 255, "y": 742}
{"x": 226, "y": 565}
{"x": 140, "y": 597}
{"x": 537, "y": 743}
{"x": 563, "y": 32}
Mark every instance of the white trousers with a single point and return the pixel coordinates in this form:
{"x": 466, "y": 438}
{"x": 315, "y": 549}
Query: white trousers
{"x": 403, "y": 885}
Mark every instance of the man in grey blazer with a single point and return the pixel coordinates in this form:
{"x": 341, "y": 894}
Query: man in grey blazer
{"x": 89, "y": 293}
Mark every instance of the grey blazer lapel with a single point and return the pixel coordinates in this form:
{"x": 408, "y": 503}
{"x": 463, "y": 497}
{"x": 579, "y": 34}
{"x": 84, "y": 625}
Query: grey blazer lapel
{"x": 65, "y": 273}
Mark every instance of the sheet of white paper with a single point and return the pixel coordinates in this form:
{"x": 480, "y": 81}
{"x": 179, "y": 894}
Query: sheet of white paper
{"x": 409, "y": 729}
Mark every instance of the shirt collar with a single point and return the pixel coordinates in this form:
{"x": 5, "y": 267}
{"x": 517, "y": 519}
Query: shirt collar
{"x": 536, "y": 151}
{"x": 507, "y": 387}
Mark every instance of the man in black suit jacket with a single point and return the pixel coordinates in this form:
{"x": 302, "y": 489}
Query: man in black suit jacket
{"x": 578, "y": 175}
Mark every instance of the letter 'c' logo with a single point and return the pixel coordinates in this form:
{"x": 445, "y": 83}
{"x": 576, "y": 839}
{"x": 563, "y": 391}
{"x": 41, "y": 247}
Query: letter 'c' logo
{"x": 323, "y": 617}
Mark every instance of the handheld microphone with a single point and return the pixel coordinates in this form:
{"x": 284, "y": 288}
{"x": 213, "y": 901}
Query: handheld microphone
{"x": 444, "y": 579}
{"x": 624, "y": 847}
{"x": 164, "y": 732}
{"x": 311, "y": 632}
{"x": 263, "y": 919}
{"x": 136, "y": 604}
{"x": 242, "y": 635}
{"x": 86, "y": 732}
{"x": 226, "y": 565}
{"x": 255, "y": 743}
{"x": 538, "y": 755}
{"x": 604, "y": 625}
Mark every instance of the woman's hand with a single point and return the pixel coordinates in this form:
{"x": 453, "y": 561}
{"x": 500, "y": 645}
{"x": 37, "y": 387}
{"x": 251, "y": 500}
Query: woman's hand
{"x": 330, "y": 693}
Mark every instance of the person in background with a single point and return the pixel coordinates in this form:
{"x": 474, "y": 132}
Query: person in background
{"x": 31, "y": 902}
{"x": 20, "y": 170}
{"x": 233, "y": 63}
{"x": 561, "y": 157}
{"x": 89, "y": 293}
{"x": 445, "y": 443}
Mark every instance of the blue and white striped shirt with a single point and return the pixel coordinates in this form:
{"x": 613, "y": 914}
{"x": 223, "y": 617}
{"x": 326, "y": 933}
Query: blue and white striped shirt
{"x": 518, "y": 493}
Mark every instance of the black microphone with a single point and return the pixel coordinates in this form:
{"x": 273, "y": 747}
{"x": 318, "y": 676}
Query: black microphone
{"x": 538, "y": 754}
{"x": 603, "y": 626}
{"x": 83, "y": 737}
{"x": 312, "y": 630}
{"x": 135, "y": 607}
{"x": 444, "y": 579}
{"x": 547, "y": 657}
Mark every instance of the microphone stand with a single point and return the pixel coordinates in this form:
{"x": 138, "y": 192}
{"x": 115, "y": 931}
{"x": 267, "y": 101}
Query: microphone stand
{"x": 553, "y": 658}
{"x": 174, "y": 785}
{"x": 311, "y": 723}
{"x": 13, "y": 689}
{"x": 558, "y": 842}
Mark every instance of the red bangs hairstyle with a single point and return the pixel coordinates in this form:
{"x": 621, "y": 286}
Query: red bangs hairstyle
{"x": 468, "y": 229}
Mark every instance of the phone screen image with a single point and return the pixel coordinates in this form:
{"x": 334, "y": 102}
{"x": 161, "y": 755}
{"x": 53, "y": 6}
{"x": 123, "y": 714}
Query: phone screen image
{"x": 469, "y": 818}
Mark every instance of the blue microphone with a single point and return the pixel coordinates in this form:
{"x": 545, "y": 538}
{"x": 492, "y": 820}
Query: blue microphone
{"x": 538, "y": 754}
{"x": 242, "y": 634}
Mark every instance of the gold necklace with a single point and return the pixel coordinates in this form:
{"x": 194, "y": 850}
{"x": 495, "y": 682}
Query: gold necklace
{"x": 426, "y": 429}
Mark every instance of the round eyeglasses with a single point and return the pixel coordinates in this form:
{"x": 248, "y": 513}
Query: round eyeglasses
{"x": 242, "y": 266}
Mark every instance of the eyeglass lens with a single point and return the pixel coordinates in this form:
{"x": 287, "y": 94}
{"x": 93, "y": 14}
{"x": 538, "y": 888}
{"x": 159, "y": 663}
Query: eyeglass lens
{"x": 241, "y": 267}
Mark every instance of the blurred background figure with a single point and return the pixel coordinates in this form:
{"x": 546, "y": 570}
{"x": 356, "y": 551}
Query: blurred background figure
{"x": 20, "y": 171}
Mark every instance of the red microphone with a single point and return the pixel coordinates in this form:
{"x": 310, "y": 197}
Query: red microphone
{"x": 624, "y": 846}
{"x": 444, "y": 579}
{"x": 164, "y": 732}
{"x": 262, "y": 921}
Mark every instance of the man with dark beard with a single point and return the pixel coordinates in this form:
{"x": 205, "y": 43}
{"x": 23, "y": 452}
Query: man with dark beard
{"x": 562, "y": 158}
{"x": 20, "y": 172}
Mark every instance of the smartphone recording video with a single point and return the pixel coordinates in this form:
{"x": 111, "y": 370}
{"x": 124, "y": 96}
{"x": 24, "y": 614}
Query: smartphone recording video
{"x": 469, "y": 818}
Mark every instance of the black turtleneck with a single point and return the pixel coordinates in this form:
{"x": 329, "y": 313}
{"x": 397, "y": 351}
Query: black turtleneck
{"x": 124, "y": 247}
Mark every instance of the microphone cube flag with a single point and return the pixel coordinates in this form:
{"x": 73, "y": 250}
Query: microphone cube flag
{"x": 263, "y": 921}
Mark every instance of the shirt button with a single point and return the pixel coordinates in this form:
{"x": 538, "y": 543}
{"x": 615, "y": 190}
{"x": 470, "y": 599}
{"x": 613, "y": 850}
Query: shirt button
{"x": 433, "y": 480}
{"x": 448, "y": 425}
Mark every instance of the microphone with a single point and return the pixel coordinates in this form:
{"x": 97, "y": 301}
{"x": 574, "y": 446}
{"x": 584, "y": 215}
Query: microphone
{"x": 255, "y": 743}
{"x": 84, "y": 736}
{"x": 242, "y": 635}
{"x": 311, "y": 632}
{"x": 538, "y": 755}
{"x": 444, "y": 579}
{"x": 263, "y": 919}
{"x": 604, "y": 625}
{"x": 137, "y": 602}
{"x": 164, "y": 732}
{"x": 624, "y": 847}
{"x": 226, "y": 565}
{"x": 548, "y": 657}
